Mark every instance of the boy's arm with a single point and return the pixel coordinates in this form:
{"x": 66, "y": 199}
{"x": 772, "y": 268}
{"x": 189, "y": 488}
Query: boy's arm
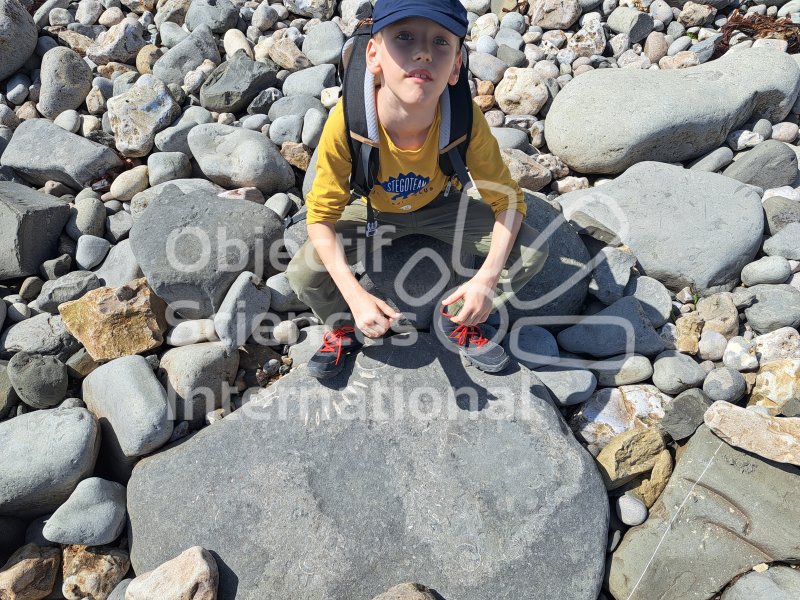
{"x": 371, "y": 315}
{"x": 477, "y": 293}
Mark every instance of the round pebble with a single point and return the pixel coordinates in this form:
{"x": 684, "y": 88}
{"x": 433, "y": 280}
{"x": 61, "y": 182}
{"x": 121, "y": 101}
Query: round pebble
{"x": 69, "y": 120}
{"x": 724, "y": 384}
{"x": 91, "y": 251}
{"x": 712, "y": 346}
{"x": 40, "y": 381}
{"x": 770, "y": 269}
{"x": 631, "y": 510}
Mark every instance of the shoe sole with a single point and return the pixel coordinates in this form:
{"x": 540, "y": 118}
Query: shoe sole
{"x": 486, "y": 368}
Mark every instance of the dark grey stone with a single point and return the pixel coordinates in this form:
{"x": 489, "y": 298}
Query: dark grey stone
{"x": 263, "y": 101}
{"x": 187, "y": 56}
{"x": 12, "y": 536}
{"x": 700, "y": 234}
{"x": 654, "y": 298}
{"x": 611, "y": 274}
{"x": 46, "y": 454}
{"x": 235, "y": 83}
{"x": 568, "y": 386}
{"x": 428, "y": 497}
{"x": 780, "y": 212}
{"x": 685, "y": 413}
{"x": 705, "y": 49}
{"x": 294, "y": 105}
{"x": 67, "y": 287}
{"x": 714, "y": 161}
{"x": 532, "y": 346}
{"x": 67, "y": 158}
{"x": 736, "y": 509}
{"x": 511, "y": 56}
{"x": 310, "y": 81}
{"x": 323, "y": 44}
{"x": 202, "y": 288}
{"x": 119, "y": 591}
{"x": 119, "y": 267}
{"x": 66, "y": 80}
{"x": 56, "y": 267}
{"x": 30, "y": 223}
{"x": 775, "y": 306}
{"x": 770, "y": 164}
{"x": 39, "y": 380}
{"x": 510, "y": 137}
{"x": 487, "y": 67}
{"x": 219, "y": 15}
{"x": 604, "y": 334}
{"x": 8, "y": 397}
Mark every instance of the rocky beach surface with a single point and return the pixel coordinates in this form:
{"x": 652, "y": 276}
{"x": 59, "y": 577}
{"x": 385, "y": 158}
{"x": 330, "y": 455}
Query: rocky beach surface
{"x": 159, "y": 434}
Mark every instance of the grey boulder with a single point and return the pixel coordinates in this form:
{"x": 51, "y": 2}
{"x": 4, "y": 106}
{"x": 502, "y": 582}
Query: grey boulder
{"x": 770, "y": 164}
{"x": 188, "y": 258}
{"x": 785, "y": 243}
{"x": 715, "y": 223}
{"x": 620, "y": 328}
{"x": 323, "y": 44}
{"x": 187, "y": 56}
{"x": 41, "y": 334}
{"x": 777, "y": 583}
{"x": 40, "y": 381}
{"x": 310, "y": 81}
{"x": 18, "y": 37}
{"x": 46, "y": 454}
{"x": 218, "y": 15}
{"x": 93, "y": 515}
{"x": 424, "y": 499}
{"x": 234, "y": 157}
{"x": 66, "y": 80}
{"x": 674, "y": 372}
{"x": 775, "y": 306}
{"x": 736, "y": 510}
{"x": 30, "y": 224}
{"x": 66, "y": 158}
{"x": 597, "y": 125}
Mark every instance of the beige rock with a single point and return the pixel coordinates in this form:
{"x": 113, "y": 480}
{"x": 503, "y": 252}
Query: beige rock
{"x": 30, "y": 573}
{"x": 129, "y": 183}
{"x": 554, "y": 14}
{"x": 720, "y": 314}
{"x": 192, "y": 575}
{"x": 484, "y": 102}
{"x": 235, "y": 40}
{"x": 611, "y": 411}
{"x": 147, "y": 57}
{"x": 629, "y": 454}
{"x": 407, "y": 591}
{"x": 694, "y": 14}
{"x": 484, "y": 88}
{"x": 114, "y": 322}
{"x": 525, "y": 170}
{"x": 554, "y": 164}
{"x": 588, "y": 40}
{"x": 78, "y": 42}
{"x": 776, "y": 345}
{"x": 656, "y": 46}
{"x": 287, "y": 55}
{"x": 93, "y": 572}
{"x": 521, "y": 92}
{"x": 681, "y": 60}
{"x": 687, "y": 333}
{"x": 649, "y": 487}
{"x": 109, "y": 70}
{"x": 773, "y": 438}
{"x": 296, "y": 154}
{"x": 570, "y": 184}
{"x": 27, "y": 110}
{"x": 777, "y": 384}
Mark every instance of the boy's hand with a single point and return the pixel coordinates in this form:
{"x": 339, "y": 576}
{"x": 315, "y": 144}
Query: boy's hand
{"x": 372, "y": 315}
{"x": 476, "y": 295}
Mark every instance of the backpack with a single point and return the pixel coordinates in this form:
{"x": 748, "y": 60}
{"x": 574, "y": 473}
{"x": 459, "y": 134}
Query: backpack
{"x": 361, "y": 120}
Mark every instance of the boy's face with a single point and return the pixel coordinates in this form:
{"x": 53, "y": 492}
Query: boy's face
{"x": 417, "y": 59}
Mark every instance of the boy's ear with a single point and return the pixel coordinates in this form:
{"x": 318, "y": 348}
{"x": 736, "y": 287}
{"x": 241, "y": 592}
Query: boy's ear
{"x": 373, "y": 59}
{"x": 453, "y": 79}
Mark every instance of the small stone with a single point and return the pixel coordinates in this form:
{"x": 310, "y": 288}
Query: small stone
{"x": 409, "y": 591}
{"x": 69, "y": 120}
{"x": 40, "y": 381}
{"x": 785, "y": 132}
{"x": 777, "y": 345}
{"x": 115, "y": 322}
{"x": 712, "y": 346}
{"x": 167, "y": 166}
{"x": 777, "y": 385}
{"x": 674, "y": 372}
{"x": 532, "y": 346}
{"x": 649, "y": 487}
{"x": 719, "y": 313}
{"x": 68, "y": 287}
{"x": 784, "y": 244}
{"x": 30, "y": 572}
{"x": 741, "y": 140}
{"x": 190, "y": 332}
{"x": 129, "y": 183}
{"x": 244, "y": 308}
{"x": 93, "y": 572}
{"x": 680, "y": 60}
{"x": 568, "y": 386}
{"x": 630, "y": 510}
{"x": 687, "y": 333}
{"x": 622, "y": 370}
{"x": 740, "y": 355}
{"x": 87, "y": 218}
{"x": 637, "y": 25}
{"x": 773, "y": 438}
{"x": 93, "y": 515}
{"x": 192, "y": 574}
{"x": 283, "y": 297}
{"x": 724, "y": 384}
{"x": 65, "y": 79}
{"x": 286, "y": 333}
{"x": 629, "y": 454}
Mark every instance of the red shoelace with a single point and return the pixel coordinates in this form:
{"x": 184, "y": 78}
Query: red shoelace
{"x": 332, "y": 340}
{"x": 464, "y": 334}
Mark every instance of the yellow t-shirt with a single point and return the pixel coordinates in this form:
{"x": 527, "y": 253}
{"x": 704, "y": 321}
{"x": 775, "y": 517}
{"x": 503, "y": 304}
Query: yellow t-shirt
{"x": 407, "y": 179}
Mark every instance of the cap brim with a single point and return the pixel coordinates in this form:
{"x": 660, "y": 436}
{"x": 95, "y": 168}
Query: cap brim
{"x": 457, "y": 29}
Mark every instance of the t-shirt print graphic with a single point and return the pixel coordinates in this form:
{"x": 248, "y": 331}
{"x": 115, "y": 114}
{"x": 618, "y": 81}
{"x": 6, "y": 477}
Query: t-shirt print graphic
{"x": 404, "y": 185}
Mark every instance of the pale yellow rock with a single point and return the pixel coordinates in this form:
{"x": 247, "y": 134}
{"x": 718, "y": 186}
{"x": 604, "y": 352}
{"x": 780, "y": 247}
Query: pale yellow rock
{"x": 773, "y": 438}
{"x": 93, "y": 572}
{"x": 525, "y": 170}
{"x": 233, "y": 41}
{"x": 129, "y": 183}
{"x": 688, "y": 328}
{"x": 287, "y": 55}
{"x": 777, "y": 383}
{"x": 407, "y": 591}
{"x": 649, "y": 487}
{"x": 192, "y": 575}
{"x": 30, "y": 573}
{"x": 629, "y": 454}
{"x": 115, "y": 322}
{"x": 720, "y": 314}
{"x": 681, "y": 60}
{"x": 296, "y": 154}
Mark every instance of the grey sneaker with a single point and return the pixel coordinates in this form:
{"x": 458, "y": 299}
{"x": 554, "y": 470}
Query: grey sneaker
{"x": 473, "y": 344}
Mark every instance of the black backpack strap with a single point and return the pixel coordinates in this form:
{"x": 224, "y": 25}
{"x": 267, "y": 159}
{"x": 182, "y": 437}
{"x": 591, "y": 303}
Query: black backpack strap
{"x": 456, "y": 128}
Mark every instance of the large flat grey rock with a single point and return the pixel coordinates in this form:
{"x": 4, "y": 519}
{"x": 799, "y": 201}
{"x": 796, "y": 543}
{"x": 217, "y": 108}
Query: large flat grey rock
{"x": 30, "y": 223}
{"x": 17, "y": 37}
{"x": 66, "y": 157}
{"x": 45, "y": 454}
{"x": 190, "y": 246}
{"x": 686, "y": 227}
{"x": 342, "y": 497}
{"x": 610, "y": 119}
{"x": 735, "y": 511}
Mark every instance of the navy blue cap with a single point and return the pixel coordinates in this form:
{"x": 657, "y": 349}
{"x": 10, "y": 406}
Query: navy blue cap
{"x": 450, "y": 14}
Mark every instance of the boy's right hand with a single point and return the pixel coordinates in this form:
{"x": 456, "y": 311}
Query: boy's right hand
{"x": 372, "y": 315}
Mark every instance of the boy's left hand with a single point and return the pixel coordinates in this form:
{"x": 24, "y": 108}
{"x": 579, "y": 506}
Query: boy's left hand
{"x": 476, "y": 295}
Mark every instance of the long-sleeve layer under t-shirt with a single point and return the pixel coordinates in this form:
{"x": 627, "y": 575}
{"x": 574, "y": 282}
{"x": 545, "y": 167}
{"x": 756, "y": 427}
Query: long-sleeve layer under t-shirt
{"x": 407, "y": 179}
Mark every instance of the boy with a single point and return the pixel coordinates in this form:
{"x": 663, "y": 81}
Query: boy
{"x": 415, "y": 53}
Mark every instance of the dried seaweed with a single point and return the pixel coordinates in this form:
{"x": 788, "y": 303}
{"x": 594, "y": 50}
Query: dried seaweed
{"x": 520, "y": 7}
{"x": 759, "y": 27}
